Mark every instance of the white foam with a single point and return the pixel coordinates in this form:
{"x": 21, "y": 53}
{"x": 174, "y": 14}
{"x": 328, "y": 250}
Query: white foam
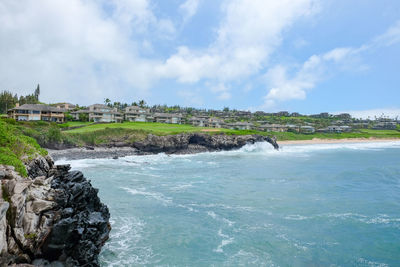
{"x": 371, "y": 263}
{"x": 123, "y": 248}
{"x": 155, "y": 195}
{"x": 212, "y": 214}
{"x": 226, "y": 240}
{"x": 266, "y": 148}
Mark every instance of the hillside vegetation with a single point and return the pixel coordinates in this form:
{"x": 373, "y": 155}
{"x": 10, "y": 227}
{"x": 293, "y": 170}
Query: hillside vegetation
{"x": 51, "y": 135}
{"x": 17, "y": 148}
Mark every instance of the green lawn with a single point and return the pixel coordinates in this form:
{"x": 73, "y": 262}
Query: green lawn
{"x": 166, "y": 129}
{"x": 74, "y": 123}
{"x": 157, "y": 128}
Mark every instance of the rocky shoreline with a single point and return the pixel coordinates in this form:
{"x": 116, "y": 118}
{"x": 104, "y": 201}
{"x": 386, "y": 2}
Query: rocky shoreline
{"x": 187, "y": 143}
{"x": 53, "y": 217}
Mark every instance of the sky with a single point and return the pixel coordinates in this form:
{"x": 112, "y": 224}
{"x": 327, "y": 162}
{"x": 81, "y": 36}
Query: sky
{"x": 306, "y": 56}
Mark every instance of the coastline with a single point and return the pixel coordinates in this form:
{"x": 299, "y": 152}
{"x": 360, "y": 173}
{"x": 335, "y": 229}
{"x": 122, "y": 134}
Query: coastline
{"x": 316, "y": 141}
{"x": 116, "y": 152}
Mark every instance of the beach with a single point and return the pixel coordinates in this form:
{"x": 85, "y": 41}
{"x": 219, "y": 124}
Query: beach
{"x": 337, "y": 141}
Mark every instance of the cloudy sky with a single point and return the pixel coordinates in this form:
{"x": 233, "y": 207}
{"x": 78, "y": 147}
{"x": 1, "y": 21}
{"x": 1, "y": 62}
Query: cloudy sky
{"x": 298, "y": 55}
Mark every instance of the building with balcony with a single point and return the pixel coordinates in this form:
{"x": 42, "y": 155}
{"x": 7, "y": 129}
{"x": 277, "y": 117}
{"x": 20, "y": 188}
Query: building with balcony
{"x": 37, "y": 112}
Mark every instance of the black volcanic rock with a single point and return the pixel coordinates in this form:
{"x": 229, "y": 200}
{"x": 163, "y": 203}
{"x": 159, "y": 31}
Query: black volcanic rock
{"x": 198, "y": 142}
{"x": 56, "y": 218}
{"x": 83, "y": 226}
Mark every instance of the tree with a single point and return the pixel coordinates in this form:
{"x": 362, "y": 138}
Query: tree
{"x": 134, "y": 104}
{"x": 68, "y": 116}
{"x": 37, "y": 92}
{"x": 83, "y": 117}
{"x": 142, "y": 103}
{"x": 107, "y": 101}
{"x": 7, "y": 101}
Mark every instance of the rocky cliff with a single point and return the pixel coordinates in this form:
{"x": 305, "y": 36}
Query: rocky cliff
{"x": 198, "y": 142}
{"x": 54, "y": 215}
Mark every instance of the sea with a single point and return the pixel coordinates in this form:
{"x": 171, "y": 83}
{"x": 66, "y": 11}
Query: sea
{"x": 304, "y": 205}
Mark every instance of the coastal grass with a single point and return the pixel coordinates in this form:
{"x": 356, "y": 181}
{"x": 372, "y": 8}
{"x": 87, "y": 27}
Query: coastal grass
{"x": 74, "y": 124}
{"x": 170, "y": 129}
{"x": 153, "y": 127}
{"x": 17, "y": 148}
{"x": 107, "y": 136}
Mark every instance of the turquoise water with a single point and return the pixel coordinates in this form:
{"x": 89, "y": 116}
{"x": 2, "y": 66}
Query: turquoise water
{"x": 306, "y": 205}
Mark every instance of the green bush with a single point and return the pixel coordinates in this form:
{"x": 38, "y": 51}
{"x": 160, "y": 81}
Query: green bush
{"x": 7, "y": 157}
{"x": 54, "y": 134}
{"x": 17, "y": 148}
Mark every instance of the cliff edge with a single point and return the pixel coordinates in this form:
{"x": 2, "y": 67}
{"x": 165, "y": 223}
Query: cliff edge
{"x": 52, "y": 216}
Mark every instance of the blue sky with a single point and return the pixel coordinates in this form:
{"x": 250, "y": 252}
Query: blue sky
{"x": 307, "y": 56}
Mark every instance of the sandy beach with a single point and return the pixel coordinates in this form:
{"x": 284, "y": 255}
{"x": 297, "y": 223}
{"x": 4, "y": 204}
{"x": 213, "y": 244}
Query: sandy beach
{"x": 338, "y": 141}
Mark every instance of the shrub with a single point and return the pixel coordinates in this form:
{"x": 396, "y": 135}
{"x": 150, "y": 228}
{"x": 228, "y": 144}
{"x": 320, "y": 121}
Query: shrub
{"x": 7, "y": 157}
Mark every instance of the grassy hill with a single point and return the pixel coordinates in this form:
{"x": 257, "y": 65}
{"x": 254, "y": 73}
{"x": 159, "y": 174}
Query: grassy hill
{"x": 166, "y": 129}
{"x": 17, "y": 148}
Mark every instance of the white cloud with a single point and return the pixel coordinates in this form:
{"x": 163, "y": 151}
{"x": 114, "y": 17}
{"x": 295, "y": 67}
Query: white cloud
{"x": 300, "y": 43}
{"x": 222, "y": 91}
{"x": 137, "y": 17}
{"x": 72, "y": 49}
{"x": 284, "y": 87}
{"x": 249, "y": 32}
{"x": 390, "y": 37}
{"x": 79, "y": 48}
{"x": 189, "y": 9}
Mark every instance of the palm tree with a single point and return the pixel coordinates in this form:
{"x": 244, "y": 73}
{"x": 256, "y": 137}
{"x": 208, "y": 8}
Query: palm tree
{"x": 107, "y": 101}
{"x": 142, "y": 103}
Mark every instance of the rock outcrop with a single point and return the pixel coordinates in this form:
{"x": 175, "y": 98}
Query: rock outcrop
{"x": 54, "y": 215}
{"x": 197, "y": 142}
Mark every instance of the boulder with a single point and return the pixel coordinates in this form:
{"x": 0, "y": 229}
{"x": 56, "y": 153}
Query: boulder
{"x": 54, "y": 216}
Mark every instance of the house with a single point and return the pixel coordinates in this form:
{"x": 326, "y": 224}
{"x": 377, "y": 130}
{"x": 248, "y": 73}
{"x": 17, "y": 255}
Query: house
{"x": 307, "y": 129}
{"x": 75, "y": 114}
{"x": 103, "y": 113}
{"x": 135, "y": 113}
{"x": 100, "y": 113}
{"x": 331, "y": 129}
{"x": 67, "y": 106}
{"x": 345, "y": 116}
{"x": 168, "y": 118}
{"x": 273, "y": 128}
{"x": 293, "y": 128}
{"x": 385, "y": 125}
{"x": 346, "y": 128}
{"x": 36, "y": 112}
{"x": 282, "y": 114}
{"x": 215, "y": 123}
{"x": 323, "y": 115}
{"x": 198, "y": 121}
{"x": 240, "y": 126}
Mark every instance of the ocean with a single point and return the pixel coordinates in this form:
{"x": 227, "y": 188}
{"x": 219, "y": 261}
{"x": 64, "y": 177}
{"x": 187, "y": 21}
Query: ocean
{"x": 305, "y": 205}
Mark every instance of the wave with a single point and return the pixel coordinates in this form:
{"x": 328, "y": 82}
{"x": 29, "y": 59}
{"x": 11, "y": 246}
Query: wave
{"x": 226, "y": 240}
{"x": 378, "y": 219}
{"x": 124, "y": 247}
{"x": 151, "y": 162}
{"x": 154, "y": 195}
{"x": 304, "y": 148}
